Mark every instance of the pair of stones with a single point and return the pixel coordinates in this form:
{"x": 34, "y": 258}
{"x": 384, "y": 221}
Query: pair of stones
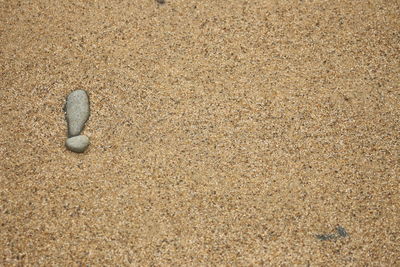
{"x": 77, "y": 113}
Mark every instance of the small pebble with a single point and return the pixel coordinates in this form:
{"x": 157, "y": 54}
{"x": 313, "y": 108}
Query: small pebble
{"x": 77, "y": 112}
{"x": 78, "y": 143}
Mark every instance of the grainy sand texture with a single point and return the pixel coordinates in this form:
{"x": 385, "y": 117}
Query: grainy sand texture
{"x": 232, "y": 132}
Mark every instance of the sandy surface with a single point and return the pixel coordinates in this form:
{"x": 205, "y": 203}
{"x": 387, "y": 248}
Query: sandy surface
{"x": 222, "y": 132}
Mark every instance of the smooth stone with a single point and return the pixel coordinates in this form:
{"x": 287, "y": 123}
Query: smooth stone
{"x": 78, "y": 143}
{"x": 77, "y": 111}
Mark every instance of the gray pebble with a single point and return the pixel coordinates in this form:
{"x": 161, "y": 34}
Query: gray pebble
{"x": 78, "y": 143}
{"x": 77, "y": 111}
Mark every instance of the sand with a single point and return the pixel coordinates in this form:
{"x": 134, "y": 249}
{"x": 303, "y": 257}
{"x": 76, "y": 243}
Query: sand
{"x": 222, "y": 133}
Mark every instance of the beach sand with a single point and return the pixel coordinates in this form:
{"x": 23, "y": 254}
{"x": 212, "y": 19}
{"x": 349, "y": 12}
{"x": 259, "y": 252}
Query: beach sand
{"x": 222, "y": 133}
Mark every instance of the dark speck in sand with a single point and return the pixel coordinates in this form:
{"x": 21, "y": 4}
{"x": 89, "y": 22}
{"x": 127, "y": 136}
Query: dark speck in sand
{"x": 325, "y": 237}
{"x": 341, "y": 231}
